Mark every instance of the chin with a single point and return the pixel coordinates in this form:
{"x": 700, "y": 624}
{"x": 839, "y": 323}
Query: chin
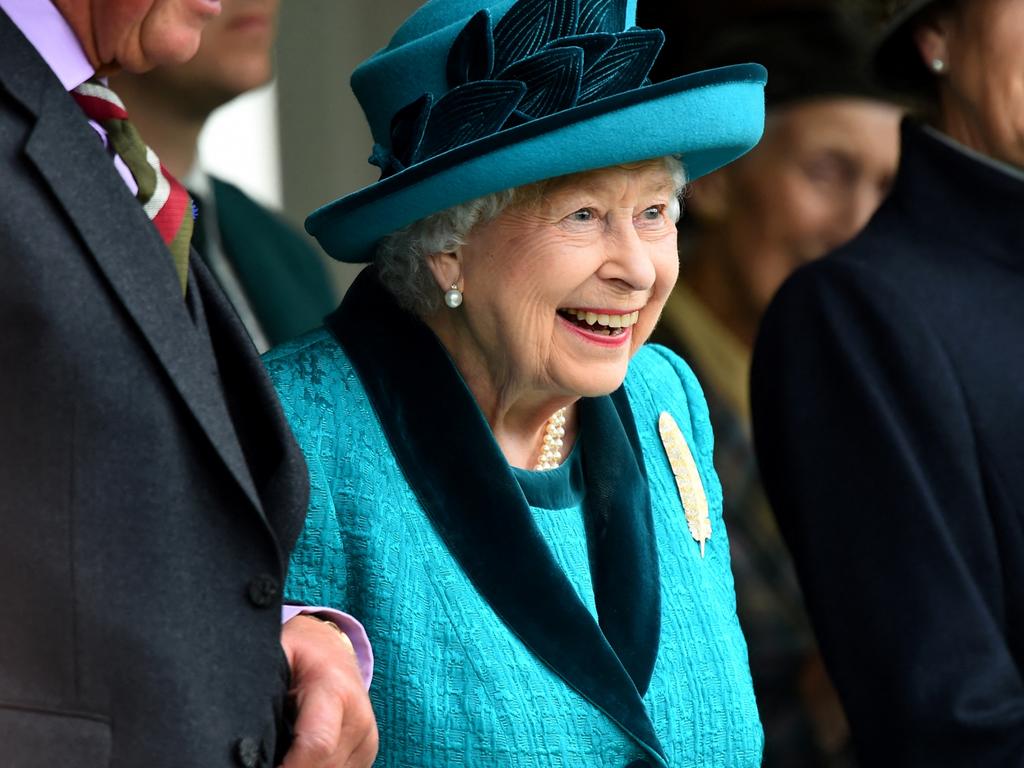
{"x": 598, "y": 383}
{"x": 175, "y": 48}
{"x": 164, "y": 53}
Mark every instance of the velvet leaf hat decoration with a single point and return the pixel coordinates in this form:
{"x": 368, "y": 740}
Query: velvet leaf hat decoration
{"x": 471, "y": 98}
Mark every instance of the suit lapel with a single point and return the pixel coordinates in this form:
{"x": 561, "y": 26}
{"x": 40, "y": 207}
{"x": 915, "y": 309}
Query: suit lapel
{"x": 125, "y": 245}
{"x": 450, "y": 459}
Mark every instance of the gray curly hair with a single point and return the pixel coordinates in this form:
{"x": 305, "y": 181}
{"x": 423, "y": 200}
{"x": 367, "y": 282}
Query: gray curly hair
{"x": 401, "y": 256}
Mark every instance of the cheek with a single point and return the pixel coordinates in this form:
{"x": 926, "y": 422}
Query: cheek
{"x": 509, "y": 302}
{"x": 805, "y": 219}
{"x": 1010, "y": 108}
{"x": 666, "y": 270}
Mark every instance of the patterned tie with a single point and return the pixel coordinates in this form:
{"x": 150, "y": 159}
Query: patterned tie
{"x": 163, "y": 197}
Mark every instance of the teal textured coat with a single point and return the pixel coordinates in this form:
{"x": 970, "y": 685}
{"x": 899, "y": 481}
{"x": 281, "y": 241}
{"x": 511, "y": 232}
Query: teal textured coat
{"x": 550, "y": 640}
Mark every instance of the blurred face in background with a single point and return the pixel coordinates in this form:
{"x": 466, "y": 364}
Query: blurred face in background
{"x": 817, "y": 176}
{"x": 981, "y": 87}
{"x": 235, "y": 56}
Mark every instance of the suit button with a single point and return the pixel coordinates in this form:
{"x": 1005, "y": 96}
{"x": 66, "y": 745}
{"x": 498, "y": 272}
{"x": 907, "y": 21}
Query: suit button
{"x": 263, "y": 590}
{"x": 247, "y": 752}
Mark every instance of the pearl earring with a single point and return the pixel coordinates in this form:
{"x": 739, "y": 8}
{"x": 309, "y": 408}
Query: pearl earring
{"x": 938, "y": 65}
{"x": 453, "y": 297}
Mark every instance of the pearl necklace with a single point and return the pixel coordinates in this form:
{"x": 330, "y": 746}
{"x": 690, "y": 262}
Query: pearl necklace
{"x": 551, "y": 451}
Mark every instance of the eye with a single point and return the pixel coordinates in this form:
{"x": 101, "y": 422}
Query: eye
{"x": 830, "y": 170}
{"x": 583, "y": 214}
{"x": 653, "y": 218}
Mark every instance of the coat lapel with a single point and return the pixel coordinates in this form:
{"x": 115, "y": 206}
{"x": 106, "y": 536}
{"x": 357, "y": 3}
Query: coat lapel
{"x": 627, "y": 588}
{"x": 461, "y": 478}
{"x": 126, "y": 247}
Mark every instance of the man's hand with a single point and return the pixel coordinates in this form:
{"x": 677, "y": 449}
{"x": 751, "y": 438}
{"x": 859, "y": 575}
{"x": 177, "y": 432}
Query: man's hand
{"x": 335, "y": 726}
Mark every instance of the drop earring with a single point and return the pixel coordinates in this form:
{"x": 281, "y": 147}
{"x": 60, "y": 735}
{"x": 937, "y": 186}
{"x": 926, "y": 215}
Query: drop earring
{"x": 938, "y": 65}
{"x": 453, "y": 297}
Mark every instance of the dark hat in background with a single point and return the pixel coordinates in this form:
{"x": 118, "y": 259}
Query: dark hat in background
{"x": 898, "y": 64}
{"x": 810, "y": 50}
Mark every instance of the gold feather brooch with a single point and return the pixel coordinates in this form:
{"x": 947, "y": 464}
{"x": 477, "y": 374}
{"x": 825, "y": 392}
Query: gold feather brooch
{"x": 691, "y": 490}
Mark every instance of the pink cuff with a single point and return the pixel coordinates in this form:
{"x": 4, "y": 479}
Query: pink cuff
{"x": 352, "y": 629}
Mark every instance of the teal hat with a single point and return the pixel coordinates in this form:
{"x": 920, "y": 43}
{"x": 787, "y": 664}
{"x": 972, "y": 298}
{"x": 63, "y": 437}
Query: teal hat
{"x": 473, "y": 97}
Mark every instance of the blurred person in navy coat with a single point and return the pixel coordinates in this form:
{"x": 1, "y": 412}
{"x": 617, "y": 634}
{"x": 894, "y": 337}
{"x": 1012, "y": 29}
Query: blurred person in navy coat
{"x": 825, "y": 162}
{"x": 888, "y": 399}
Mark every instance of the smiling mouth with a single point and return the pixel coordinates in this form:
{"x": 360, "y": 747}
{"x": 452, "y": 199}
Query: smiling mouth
{"x": 600, "y": 323}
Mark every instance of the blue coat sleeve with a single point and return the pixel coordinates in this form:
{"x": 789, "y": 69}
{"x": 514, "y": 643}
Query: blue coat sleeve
{"x": 317, "y": 573}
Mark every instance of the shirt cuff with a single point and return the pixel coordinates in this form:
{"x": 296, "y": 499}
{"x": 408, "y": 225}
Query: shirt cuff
{"x": 352, "y": 629}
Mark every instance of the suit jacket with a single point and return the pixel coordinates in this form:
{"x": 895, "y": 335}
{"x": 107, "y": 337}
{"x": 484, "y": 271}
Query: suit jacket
{"x": 149, "y": 487}
{"x": 888, "y": 401}
{"x": 505, "y": 635}
{"x": 284, "y": 281}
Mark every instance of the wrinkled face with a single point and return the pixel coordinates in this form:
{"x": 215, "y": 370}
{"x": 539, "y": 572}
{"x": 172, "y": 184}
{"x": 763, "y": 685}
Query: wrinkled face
{"x": 982, "y": 87}
{"x": 815, "y": 179}
{"x": 561, "y": 291}
{"x": 234, "y": 57}
{"x": 137, "y": 35}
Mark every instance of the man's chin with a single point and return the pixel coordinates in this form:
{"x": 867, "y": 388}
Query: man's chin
{"x": 171, "y": 50}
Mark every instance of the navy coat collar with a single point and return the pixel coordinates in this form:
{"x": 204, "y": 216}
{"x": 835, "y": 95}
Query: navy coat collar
{"x": 939, "y": 186}
{"x": 450, "y": 459}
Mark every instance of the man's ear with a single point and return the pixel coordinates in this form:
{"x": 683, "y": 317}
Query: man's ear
{"x": 708, "y": 199}
{"x": 446, "y": 266}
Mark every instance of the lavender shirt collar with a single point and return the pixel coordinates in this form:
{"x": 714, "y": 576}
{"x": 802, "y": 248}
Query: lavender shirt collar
{"x": 53, "y": 39}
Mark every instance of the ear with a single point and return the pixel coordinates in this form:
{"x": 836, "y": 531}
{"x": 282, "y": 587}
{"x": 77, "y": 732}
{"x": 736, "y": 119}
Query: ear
{"x": 708, "y": 197}
{"x": 932, "y": 38}
{"x": 446, "y": 266}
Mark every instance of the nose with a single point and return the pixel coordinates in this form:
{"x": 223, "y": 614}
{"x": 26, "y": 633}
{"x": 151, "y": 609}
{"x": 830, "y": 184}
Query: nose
{"x": 629, "y": 260}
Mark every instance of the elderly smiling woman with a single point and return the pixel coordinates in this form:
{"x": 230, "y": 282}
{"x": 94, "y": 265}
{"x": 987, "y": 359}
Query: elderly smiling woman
{"x": 514, "y": 495}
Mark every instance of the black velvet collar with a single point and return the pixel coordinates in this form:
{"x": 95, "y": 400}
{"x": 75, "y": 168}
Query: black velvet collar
{"x": 450, "y": 459}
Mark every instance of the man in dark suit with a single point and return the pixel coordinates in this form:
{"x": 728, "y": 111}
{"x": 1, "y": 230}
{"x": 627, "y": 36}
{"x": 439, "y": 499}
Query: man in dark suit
{"x": 270, "y": 273}
{"x": 149, "y": 487}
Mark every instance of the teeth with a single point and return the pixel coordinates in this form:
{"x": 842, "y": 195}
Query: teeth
{"x": 607, "y": 321}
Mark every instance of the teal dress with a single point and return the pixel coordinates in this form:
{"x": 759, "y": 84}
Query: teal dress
{"x": 516, "y": 619}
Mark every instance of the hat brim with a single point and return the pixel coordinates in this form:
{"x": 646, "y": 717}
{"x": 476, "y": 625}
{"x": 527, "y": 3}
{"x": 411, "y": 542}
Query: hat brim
{"x": 708, "y": 119}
